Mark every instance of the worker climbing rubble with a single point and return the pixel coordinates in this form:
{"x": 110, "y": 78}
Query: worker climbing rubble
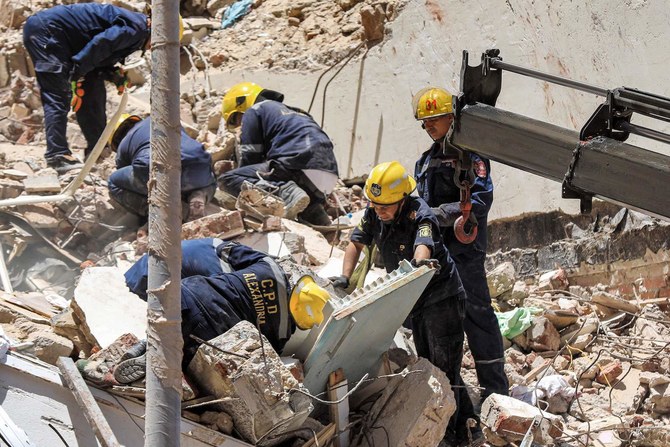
{"x": 128, "y": 184}
{"x": 404, "y": 227}
{"x": 225, "y": 283}
{"x": 445, "y": 175}
{"x": 74, "y": 49}
{"x": 282, "y": 149}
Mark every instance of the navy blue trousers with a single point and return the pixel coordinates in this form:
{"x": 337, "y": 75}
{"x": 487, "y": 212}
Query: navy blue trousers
{"x": 128, "y": 186}
{"x": 438, "y": 336}
{"x": 481, "y": 325}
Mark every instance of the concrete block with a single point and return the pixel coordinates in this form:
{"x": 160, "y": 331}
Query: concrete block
{"x": 10, "y": 188}
{"x": 542, "y": 335}
{"x": 509, "y": 419}
{"x": 553, "y": 280}
{"x": 41, "y": 215}
{"x": 42, "y": 183}
{"x": 19, "y": 111}
{"x": 501, "y": 279}
{"x": 105, "y": 308}
{"x": 258, "y": 397}
{"x": 49, "y": 346}
{"x": 413, "y": 410}
{"x": 614, "y": 302}
{"x": 14, "y": 174}
{"x": 224, "y": 225}
{"x": 609, "y": 372}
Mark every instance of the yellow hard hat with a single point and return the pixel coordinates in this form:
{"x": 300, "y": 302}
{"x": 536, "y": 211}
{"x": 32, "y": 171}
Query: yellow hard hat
{"x": 432, "y": 102}
{"x": 123, "y": 125}
{"x": 181, "y": 27}
{"x": 388, "y": 183}
{"x": 307, "y": 302}
{"x": 239, "y": 98}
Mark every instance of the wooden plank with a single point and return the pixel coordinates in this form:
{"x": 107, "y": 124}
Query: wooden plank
{"x": 322, "y": 437}
{"x": 339, "y": 412}
{"x": 87, "y": 402}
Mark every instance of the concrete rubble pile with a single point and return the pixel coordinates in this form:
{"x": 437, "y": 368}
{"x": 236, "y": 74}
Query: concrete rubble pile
{"x": 584, "y": 308}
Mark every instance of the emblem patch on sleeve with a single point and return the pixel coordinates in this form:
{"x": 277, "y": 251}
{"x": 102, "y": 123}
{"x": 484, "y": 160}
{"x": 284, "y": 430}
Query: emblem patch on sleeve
{"x": 480, "y": 168}
{"x": 425, "y": 230}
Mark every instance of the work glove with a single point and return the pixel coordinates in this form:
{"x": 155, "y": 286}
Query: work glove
{"x": 340, "y": 282}
{"x": 120, "y": 79}
{"x": 432, "y": 263}
{"x": 77, "y": 95}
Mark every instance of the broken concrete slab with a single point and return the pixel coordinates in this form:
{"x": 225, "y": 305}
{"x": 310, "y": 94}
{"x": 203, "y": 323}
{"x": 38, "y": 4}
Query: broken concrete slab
{"x": 42, "y": 183}
{"x": 14, "y": 174}
{"x": 413, "y": 410}
{"x": 224, "y": 225}
{"x": 259, "y": 392}
{"x": 609, "y": 372}
{"x": 10, "y": 188}
{"x": 105, "y": 308}
{"x": 614, "y": 302}
{"x": 542, "y": 335}
{"x": 501, "y": 279}
{"x": 316, "y": 246}
{"x": 508, "y": 418}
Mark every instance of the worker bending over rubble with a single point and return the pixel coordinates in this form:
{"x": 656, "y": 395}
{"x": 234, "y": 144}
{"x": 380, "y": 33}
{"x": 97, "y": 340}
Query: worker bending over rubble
{"x": 436, "y": 183}
{"x": 404, "y": 227}
{"x": 74, "y": 49}
{"x": 128, "y": 184}
{"x": 250, "y": 286}
{"x": 282, "y": 149}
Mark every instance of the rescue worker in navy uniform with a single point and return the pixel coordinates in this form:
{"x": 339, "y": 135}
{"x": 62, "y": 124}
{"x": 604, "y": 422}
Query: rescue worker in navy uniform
{"x": 282, "y": 146}
{"x": 251, "y": 287}
{"x": 404, "y": 227}
{"x": 74, "y": 49}
{"x": 436, "y": 185}
{"x": 128, "y": 184}
{"x": 198, "y": 257}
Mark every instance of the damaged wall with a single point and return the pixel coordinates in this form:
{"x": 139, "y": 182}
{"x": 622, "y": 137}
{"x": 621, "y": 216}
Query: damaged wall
{"x": 616, "y": 42}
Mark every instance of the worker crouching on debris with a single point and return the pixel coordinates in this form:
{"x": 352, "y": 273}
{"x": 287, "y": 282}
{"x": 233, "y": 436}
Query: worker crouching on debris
{"x": 436, "y": 176}
{"x": 404, "y": 227}
{"x": 282, "y": 149}
{"x": 74, "y": 49}
{"x": 128, "y": 184}
{"x": 250, "y": 286}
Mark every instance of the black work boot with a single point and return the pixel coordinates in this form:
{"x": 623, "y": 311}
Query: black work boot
{"x": 64, "y": 163}
{"x": 294, "y": 197}
{"x": 133, "y": 364}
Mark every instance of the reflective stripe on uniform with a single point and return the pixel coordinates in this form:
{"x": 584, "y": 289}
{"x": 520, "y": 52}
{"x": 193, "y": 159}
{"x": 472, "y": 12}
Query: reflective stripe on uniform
{"x": 282, "y": 295}
{"x": 225, "y": 266}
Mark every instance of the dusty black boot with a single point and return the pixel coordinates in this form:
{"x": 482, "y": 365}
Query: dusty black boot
{"x": 295, "y": 199}
{"x": 133, "y": 364}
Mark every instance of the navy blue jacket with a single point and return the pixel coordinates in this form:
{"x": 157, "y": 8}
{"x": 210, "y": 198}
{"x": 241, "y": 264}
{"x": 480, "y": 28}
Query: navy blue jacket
{"x": 198, "y": 257}
{"x": 196, "y": 163}
{"x": 273, "y": 131}
{"x": 434, "y": 173}
{"x": 415, "y": 225}
{"x": 86, "y": 36}
{"x": 256, "y": 291}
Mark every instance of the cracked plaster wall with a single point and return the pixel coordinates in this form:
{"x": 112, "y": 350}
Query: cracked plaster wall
{"x": 604, "y": 43}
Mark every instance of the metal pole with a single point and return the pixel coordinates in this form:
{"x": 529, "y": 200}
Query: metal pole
{"x": 164, "y": 340}
{"x": 496, "y": 63}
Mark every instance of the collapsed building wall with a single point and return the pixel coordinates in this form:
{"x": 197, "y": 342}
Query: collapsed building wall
{"x": 367, "y": 109}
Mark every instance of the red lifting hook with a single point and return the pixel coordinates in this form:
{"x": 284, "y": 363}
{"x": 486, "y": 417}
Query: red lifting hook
{"x": 459, "y": 226}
